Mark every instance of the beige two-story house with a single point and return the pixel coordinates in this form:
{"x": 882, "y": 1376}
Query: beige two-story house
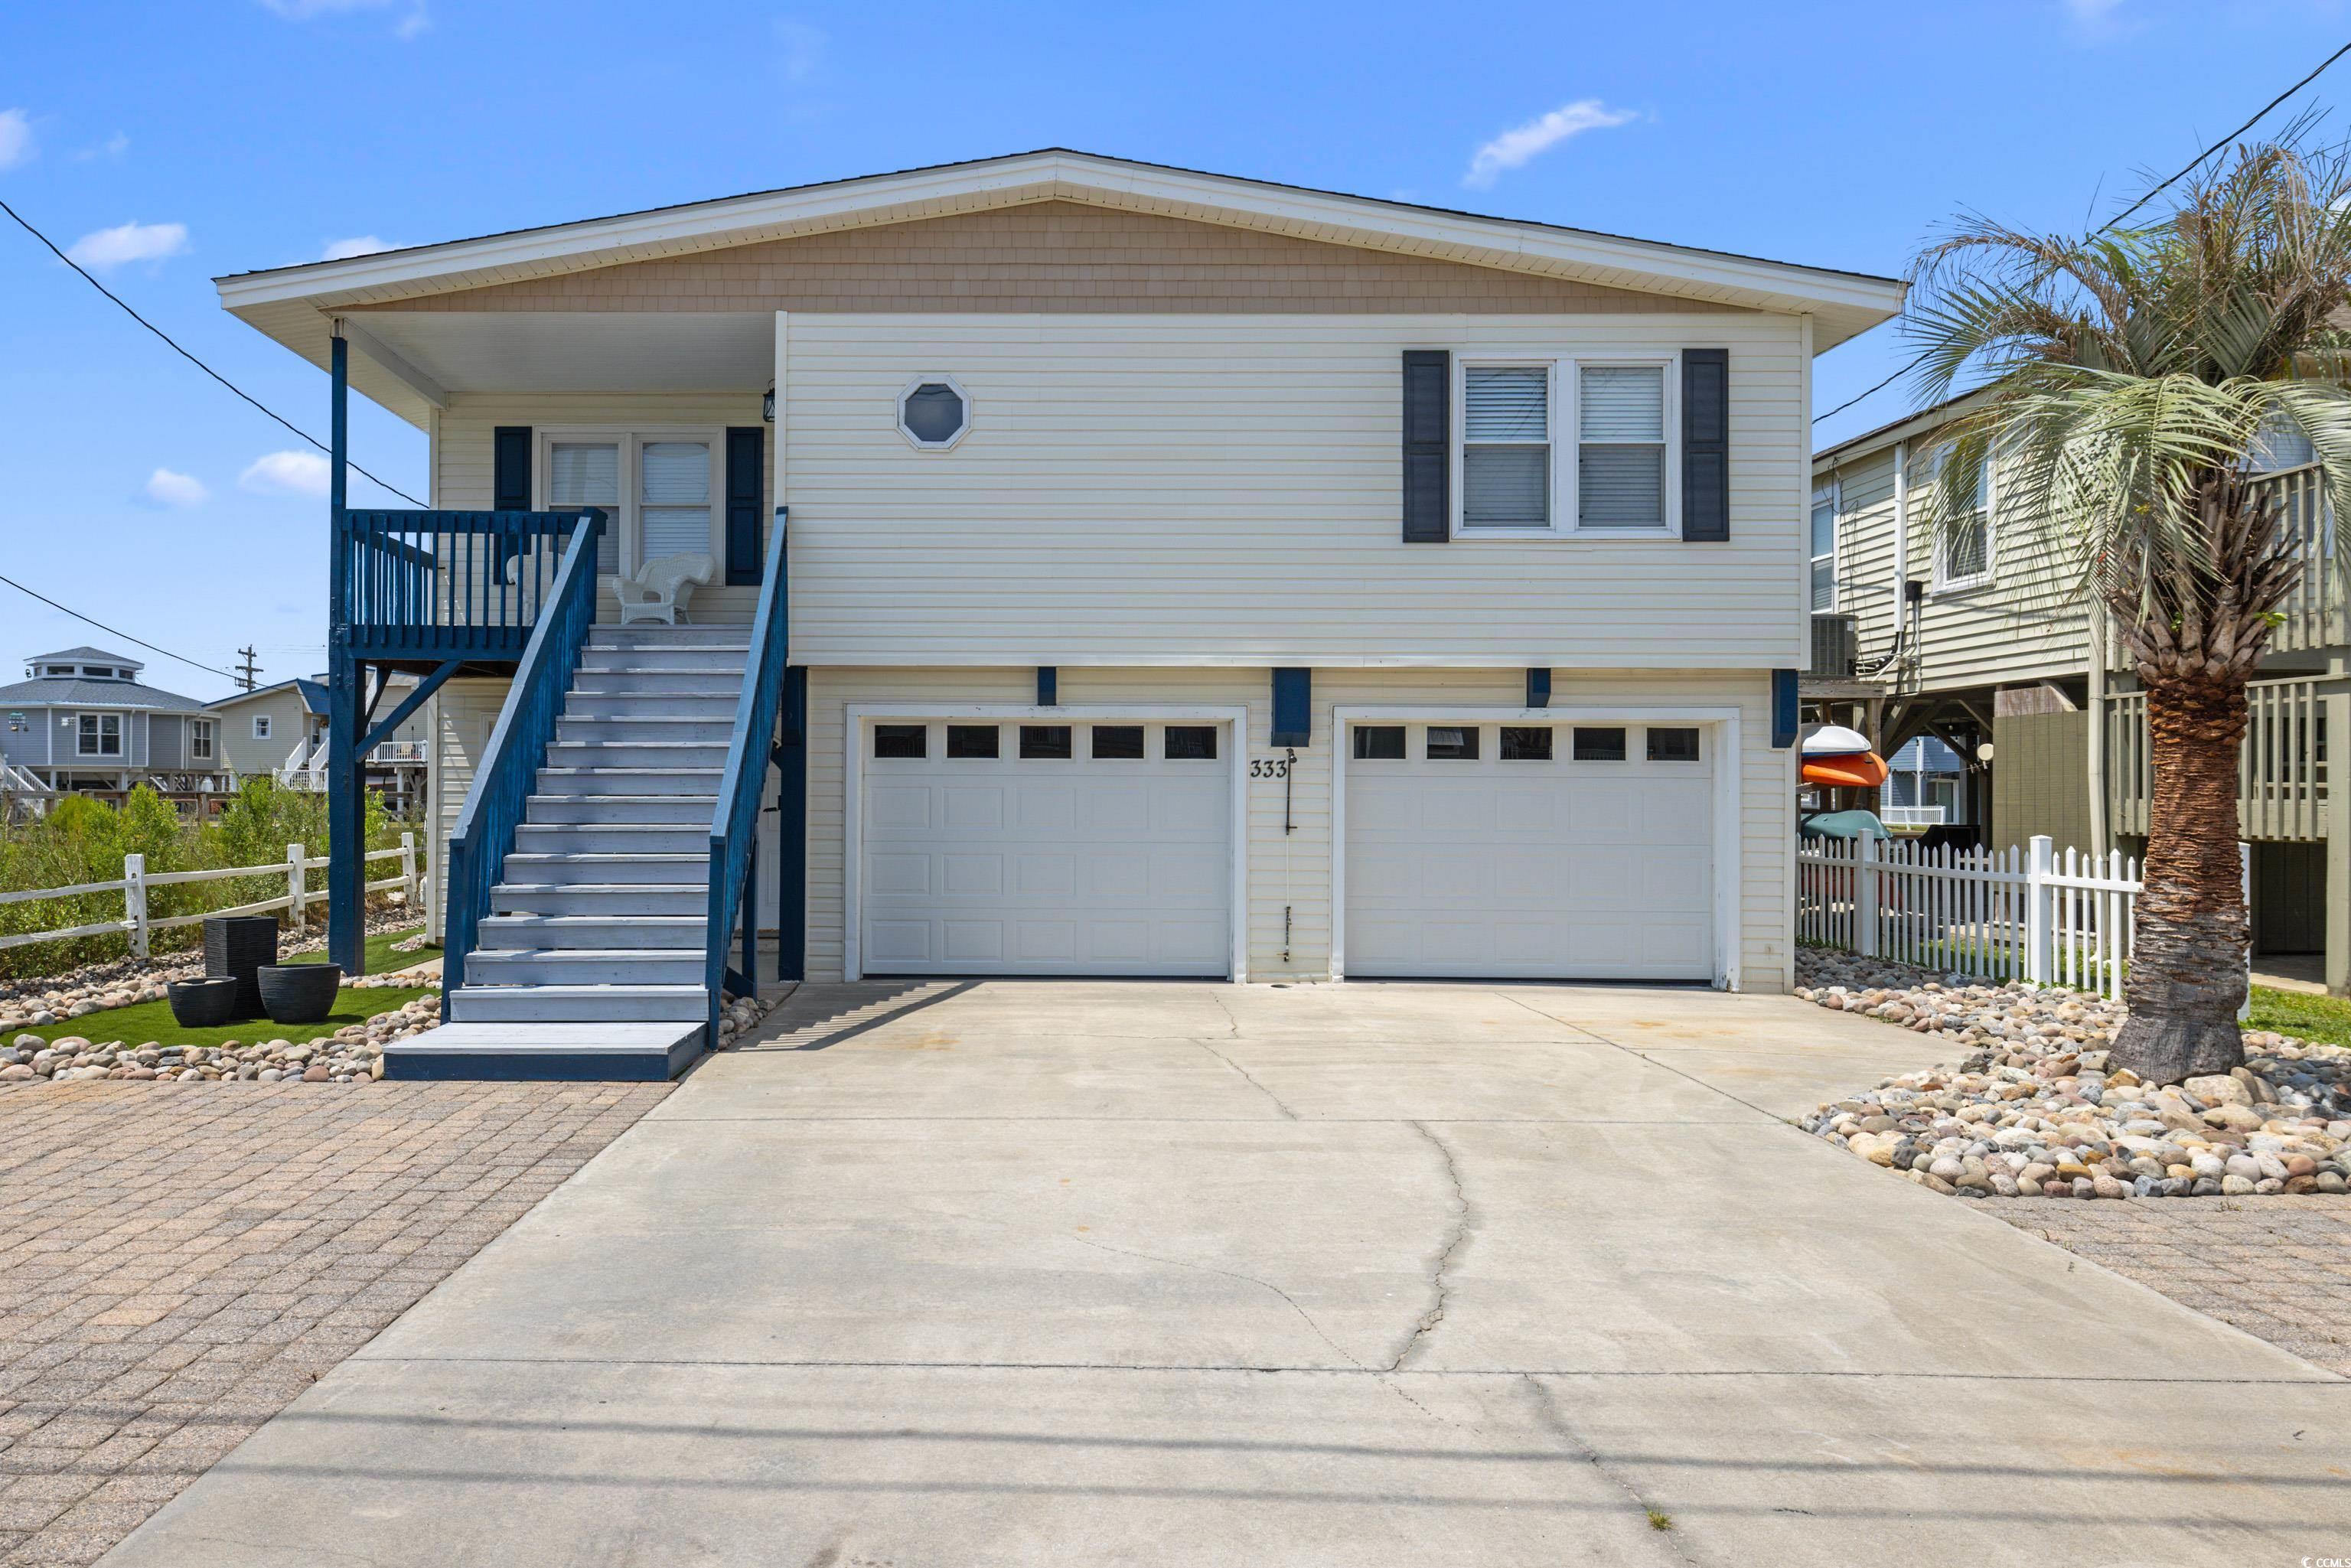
{"x": 1149, "y": 573}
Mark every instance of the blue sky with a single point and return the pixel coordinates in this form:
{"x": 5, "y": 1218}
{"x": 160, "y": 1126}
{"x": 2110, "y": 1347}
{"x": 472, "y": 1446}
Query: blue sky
{"x": 170, "y": 142}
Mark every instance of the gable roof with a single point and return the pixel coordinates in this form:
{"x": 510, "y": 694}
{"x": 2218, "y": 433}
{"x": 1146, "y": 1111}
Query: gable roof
{"x": 1906, "y": 427}
{"x": 291, "y": 304}
{"x": 313, "y": 694}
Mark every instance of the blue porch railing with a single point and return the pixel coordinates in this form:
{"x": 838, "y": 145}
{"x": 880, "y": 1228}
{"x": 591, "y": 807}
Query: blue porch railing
{"x": 733, "y": 825}
{"x": 510, "y": 762}
{"x": 449, "y": 584}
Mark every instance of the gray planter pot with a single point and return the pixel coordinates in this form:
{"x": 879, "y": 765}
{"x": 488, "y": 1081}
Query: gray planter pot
{"x": 298, "y": 993}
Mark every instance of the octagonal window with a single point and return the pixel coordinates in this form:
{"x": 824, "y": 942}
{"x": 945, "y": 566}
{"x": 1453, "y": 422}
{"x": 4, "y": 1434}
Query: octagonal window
{"x": 934, "y": 413}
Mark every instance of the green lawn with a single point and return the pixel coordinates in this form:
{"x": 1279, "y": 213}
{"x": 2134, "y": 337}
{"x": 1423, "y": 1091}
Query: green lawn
{"x": 381, "y": 959}
{"x": 143, "y": 1021}
{"x": 2305, "y": 1016}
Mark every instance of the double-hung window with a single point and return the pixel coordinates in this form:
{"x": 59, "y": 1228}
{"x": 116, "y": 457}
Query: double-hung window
{"x": 659, "y": 490}
{"x": 588, "y": 473}
{"x": 1620, "y": 459}
{"x": 200, "y": 741}
{"x": 1505, "y": 447}
{"x": 1824, "y": 521}
{"x": 98, "y": 734}
{"x": 1963, "y": 544}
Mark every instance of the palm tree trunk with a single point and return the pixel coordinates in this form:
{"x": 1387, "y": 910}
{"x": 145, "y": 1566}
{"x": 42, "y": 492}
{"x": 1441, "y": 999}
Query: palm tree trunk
{"x": 2186, "y": 976}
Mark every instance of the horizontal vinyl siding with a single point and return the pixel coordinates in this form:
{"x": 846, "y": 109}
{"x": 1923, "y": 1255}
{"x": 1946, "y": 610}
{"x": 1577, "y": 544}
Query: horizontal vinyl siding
{"x": 237, "y": 748}
{"x": 464, "y": 712}
{"x": 1293, "y": 869}
{"x": 2023, "y": 624}
{"x": 1143, "y": 490}
{"x": 463, "y": 463}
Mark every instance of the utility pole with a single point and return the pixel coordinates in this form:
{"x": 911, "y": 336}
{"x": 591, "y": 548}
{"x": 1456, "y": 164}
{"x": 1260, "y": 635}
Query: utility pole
{"x": 249, "y": 670}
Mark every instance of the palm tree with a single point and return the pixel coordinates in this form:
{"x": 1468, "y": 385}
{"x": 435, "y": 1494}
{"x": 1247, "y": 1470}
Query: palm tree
{"x": 2132, "y": 380}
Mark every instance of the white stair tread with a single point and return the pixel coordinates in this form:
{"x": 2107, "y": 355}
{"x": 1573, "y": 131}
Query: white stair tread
{"x": 566, "y": 990}
{"x": 631, "y": 1038}
{"x": 589, "y": 955}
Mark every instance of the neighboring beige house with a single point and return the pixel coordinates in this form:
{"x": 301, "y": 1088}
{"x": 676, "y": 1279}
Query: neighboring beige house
{"x": 1984, "y": 643}
{"x": 1192, "y": 575}
{"x": 280, "y": 730}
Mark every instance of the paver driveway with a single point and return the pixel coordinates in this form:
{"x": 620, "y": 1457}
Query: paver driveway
{"x": 1089, "y": 1273}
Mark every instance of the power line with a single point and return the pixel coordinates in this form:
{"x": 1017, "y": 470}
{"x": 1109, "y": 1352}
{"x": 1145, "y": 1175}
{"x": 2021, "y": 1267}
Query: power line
{"x": 2272, "y": 103}
{"x": 116, "y": 631}
{"x": 2182, "y": 174}
{"x": 183, "y": 354}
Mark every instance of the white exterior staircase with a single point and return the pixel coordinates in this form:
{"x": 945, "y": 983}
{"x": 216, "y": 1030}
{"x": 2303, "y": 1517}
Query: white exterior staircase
{"x": 599, "y": 914}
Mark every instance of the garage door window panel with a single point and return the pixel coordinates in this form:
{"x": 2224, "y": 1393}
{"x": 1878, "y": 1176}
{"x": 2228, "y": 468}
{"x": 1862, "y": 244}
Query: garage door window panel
{"x": 971, "y": 742}
{"x": 1672, "y": 745}
{"x": 1525, "y": 743}
{"x": 1117, "y": 742}
{"x": 1191, "y": 743}
{"x": 902, "y": 742}
{"x": 1597, "y": 744}
{"x": 1045, "y": 743}
{"x": 1379, "y": 743}
{"x": 1452, "y": 743}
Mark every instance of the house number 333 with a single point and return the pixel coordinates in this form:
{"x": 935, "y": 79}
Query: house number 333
{"x": 1270, "y": 768}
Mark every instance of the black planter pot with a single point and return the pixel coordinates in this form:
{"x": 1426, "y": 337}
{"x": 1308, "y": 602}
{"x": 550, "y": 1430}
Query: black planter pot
{"x": 299, "y": 993}
{"x": 202, "y": 1004}
{"x": 234, "y": 947}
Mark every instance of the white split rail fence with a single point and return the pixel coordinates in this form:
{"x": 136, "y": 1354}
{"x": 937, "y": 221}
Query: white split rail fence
{"x": 2027, "y": 916}
{"x": 136, "y": 879}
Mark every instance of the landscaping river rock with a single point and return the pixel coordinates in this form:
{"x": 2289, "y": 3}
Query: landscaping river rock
{"x": 2033, "y": 1109}
{"x": 353, "y": 1054}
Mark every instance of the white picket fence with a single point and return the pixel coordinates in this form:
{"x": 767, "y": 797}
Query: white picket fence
{"x": 135, "y": 881}
{"x": 1998, "y": 916}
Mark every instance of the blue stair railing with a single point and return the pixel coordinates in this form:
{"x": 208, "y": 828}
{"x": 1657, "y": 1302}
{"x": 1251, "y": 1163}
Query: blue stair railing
{"x": 733, "y": 825}
{"x": 509, "y": 765}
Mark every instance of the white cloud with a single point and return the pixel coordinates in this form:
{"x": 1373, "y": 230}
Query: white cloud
{"x": 16, "y": 138}
{"x": 344, "y": 249}
{"x": 2097, "y": 18}
{"x": 130, "y": 241}
{"x": 286, "y": 473}
{"x": 1516, "y": 147}
{"x": 303, "y": 10}
{"x": 112, "y": 149}
{"x": 416, "y": 22}
{"x": 165, "y": 488}
{"x": 803, "y": 49}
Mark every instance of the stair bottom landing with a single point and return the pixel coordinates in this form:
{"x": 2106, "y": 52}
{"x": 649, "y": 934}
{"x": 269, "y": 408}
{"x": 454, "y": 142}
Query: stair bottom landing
{"x": 572, "y": 1053}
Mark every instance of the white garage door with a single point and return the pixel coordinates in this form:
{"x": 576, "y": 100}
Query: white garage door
{"x": 1006, "y": 848}
{"x": 1555, "y": 852}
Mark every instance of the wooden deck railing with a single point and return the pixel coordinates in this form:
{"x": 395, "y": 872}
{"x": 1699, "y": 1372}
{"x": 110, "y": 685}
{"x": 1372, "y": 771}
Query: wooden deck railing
{"x": 2282, "y": 780}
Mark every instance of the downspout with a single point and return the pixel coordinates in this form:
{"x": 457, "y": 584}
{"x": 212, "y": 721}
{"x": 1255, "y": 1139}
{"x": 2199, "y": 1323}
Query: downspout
{"x": 1901, "y": 557}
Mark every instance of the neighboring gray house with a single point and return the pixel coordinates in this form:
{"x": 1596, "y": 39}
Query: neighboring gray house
{"x": 82, "y": 723}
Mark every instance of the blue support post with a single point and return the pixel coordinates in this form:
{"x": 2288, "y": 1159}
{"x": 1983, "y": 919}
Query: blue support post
{"x": 791, "y": 803}
{"x": 751, "y": 914}
{"x": 346, "y": 810}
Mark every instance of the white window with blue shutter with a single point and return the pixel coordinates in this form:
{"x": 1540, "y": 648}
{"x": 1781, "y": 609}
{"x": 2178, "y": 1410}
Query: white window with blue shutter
{"x": 661, "y": 489}
{"x": 588, "y": 473}
{"x": 1506, "y": 466}
{"x": 1624, "y": 457}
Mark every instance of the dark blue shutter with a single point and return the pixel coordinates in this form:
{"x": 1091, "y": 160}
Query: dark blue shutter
{"x": 1293, "y": 707}
{"x": 746, "y": 455}
{"x": 509, "y": 488}
{"x": 1787, "y": 716}
{"x": 1048, "y": 685}
{"x": 1427, "y": 445}
{"x": 1538, "y": 688}
{"x": 1705, "y": 445}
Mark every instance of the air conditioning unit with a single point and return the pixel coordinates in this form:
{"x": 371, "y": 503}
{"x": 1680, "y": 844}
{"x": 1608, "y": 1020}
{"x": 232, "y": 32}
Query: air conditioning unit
{"x": 1837, "y": 646}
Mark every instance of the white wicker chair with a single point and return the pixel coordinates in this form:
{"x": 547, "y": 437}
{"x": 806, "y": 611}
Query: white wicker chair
{"x": 660, "y": 590}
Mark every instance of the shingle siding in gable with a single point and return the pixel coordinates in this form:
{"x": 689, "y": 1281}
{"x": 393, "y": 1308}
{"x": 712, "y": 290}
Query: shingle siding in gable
{"x": 1056, "y": 257}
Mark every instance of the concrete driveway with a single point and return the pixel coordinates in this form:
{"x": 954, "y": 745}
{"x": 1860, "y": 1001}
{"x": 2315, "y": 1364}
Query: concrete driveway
{"x": 1091, "y": 1274}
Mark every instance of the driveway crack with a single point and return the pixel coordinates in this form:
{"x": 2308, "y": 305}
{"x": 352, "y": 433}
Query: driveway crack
{"x": 1245, "y": 1073}
{"x": 1554, "y": 1420}
{"x": 1456, "y": 1236}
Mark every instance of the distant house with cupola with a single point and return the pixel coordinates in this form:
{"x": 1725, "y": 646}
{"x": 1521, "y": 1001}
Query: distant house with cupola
{"x": 82, "y": 722}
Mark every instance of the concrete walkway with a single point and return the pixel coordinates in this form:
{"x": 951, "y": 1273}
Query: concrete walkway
{"x": 1086, "y": 1273}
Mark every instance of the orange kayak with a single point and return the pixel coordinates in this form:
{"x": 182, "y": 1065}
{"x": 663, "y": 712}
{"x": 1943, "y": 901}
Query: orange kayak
{"x": 1853, "y": 771}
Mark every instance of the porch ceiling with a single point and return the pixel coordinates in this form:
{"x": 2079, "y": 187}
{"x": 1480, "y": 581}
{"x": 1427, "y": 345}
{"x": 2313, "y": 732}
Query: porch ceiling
{"x": 410, "y": 361}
